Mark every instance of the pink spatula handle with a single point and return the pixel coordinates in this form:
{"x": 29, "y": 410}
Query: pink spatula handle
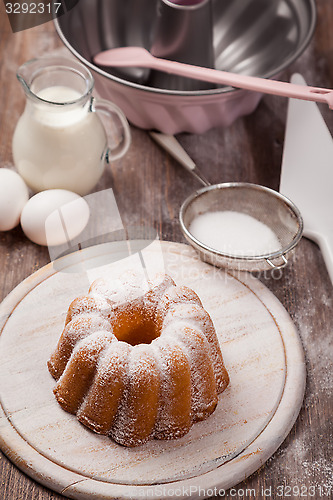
{"x": 266, "y": 86}
{"x": 138, "y": 56}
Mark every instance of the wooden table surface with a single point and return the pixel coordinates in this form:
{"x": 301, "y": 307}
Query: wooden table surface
{"x": 149, "y": 187}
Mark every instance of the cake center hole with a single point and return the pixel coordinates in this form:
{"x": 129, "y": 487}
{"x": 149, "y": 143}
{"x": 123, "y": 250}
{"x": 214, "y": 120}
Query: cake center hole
{"x": 136, "y": 330}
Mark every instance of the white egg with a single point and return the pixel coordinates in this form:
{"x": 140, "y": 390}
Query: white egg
{"x": 54, "y": 217}
{"x": 14, "y": 195}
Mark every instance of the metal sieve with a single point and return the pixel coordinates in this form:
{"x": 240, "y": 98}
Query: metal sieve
{"x": 264, "y": 204}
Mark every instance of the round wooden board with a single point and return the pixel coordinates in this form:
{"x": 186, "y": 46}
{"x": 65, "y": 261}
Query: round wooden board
{"x": 261, "y": 349}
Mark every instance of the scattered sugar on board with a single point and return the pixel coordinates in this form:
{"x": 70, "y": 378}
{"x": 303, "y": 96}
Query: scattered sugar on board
{"x": 303, "y": 459}
{"x": 294, "y": 462}
{"x": 234, "y": 233}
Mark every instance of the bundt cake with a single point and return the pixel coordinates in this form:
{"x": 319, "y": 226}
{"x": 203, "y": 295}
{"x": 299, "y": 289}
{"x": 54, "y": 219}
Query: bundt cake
{"x": 138, "y": 364}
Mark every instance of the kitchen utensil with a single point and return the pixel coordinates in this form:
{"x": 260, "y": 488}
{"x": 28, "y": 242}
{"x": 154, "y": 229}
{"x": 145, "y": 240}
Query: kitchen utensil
{"x": 59, "y": 140}
{"x": 255, "y": 37}
{"x": 263, "y": 204}
{"x": 261, "y": 348}
{"x": 138, "y": 56}
{"x": 307, "y": 172}
{"x": 172, "y": 146}
{"x": 176, "y": 37}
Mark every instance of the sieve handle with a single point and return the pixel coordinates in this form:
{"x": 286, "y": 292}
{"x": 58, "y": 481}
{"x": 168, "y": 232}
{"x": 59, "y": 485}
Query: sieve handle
{"x": 279, "y": 266}
{"x": 174, "y": 148}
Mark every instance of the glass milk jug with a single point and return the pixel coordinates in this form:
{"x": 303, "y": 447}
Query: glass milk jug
{"x": 60, "y": 141}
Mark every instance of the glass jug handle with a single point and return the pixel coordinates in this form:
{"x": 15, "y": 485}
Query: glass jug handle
{"x": 118, "y": 131}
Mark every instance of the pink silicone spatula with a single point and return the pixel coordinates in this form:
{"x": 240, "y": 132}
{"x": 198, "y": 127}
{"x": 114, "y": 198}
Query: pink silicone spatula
{"x": 140, "y": 57}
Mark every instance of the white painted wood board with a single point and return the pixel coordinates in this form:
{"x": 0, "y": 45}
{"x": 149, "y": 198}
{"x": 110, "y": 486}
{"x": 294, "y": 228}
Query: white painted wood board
{"x": 261, "y": 349}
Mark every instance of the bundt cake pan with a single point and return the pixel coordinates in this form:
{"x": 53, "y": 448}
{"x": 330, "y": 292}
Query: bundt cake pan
{"x": 256, "y": 37}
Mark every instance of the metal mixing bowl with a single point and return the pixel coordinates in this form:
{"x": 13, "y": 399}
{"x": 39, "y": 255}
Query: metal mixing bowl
{"x": 257, "y": 37}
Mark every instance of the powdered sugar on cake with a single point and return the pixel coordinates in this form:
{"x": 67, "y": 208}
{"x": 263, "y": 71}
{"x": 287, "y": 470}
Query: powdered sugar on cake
{"x": 138, "y": 361}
